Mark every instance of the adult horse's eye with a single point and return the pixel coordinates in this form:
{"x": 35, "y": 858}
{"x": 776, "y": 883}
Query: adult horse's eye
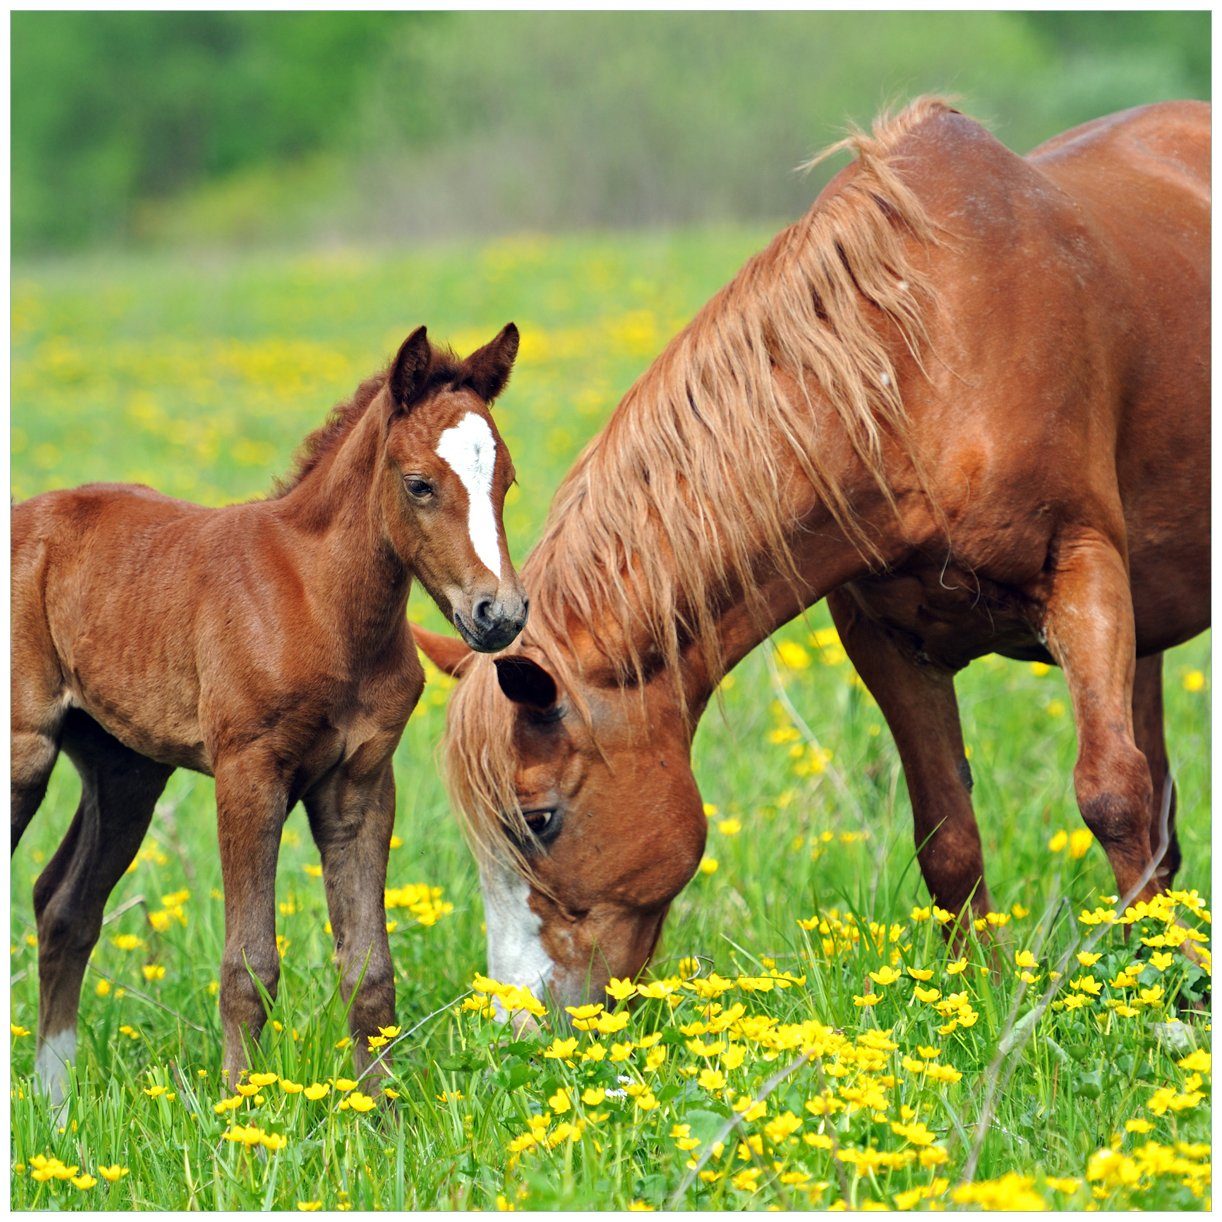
{"x": 544, "y": 824}
{"x": 421, "y": 489}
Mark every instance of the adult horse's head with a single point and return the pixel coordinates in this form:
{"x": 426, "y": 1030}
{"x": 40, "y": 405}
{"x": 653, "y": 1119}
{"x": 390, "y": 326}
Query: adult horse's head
{"x": 445, "y": 476}
{"x": 581, "y": 806}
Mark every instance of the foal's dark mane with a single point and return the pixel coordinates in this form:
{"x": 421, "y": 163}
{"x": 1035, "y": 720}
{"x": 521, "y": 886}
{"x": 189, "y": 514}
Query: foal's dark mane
{"x": 446, "y": 371}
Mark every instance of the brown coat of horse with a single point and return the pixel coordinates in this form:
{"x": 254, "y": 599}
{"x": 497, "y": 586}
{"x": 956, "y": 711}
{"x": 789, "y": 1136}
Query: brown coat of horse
{"x": 264, "y": 644}
{"x": 966, "y": 400}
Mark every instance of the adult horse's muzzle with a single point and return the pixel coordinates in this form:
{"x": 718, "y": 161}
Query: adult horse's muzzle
{"x": 492, "y": 622}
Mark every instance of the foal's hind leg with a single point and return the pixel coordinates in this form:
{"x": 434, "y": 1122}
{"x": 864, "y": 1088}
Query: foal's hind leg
{"x": 118, "y": 792}
{"x": 1088, "y": 624}
{"x": 37, "y": 717}
{"x": 923, "y": 715}
{"x": 1148, "y": 731}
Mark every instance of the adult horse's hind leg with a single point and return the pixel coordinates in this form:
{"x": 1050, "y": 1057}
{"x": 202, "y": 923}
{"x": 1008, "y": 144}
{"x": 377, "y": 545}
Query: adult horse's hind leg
{"x": 1088, "y": 624}
{"x": 118, "y": 792}
{"x": 1148, "y": 731}
{"x": 923, "y": 715}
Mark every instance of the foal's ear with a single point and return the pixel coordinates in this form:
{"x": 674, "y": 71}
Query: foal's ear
{"x": 411, "y": 367}
{"x": 488, "y": 369}
{"x": 526, "y": 682}
{"x": 447, "y": 653}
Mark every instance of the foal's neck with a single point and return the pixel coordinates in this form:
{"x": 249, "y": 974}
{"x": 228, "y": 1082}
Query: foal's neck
{"x": 336, "y": 508}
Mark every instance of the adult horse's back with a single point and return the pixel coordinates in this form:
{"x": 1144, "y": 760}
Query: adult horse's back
{"x": 966, "y": 399}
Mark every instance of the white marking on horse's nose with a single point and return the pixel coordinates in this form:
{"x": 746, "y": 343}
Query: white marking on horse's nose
{"x": 470, "y": 449}
{"x": 515, "y": 950}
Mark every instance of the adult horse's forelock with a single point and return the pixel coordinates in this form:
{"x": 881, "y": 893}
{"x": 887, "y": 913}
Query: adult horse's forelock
{"x": 478, "y": 769}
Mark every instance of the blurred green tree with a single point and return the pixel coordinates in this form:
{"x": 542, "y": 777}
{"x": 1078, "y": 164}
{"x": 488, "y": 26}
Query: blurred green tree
{"x": 222, "y": 125}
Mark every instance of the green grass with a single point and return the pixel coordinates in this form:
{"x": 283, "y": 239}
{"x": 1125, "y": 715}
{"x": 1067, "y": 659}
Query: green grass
{"x": 200, "y": 380}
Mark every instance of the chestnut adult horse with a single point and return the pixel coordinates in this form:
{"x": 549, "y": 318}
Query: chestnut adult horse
{"x": 265, "y": 644}
{"x": 965, "y": 399}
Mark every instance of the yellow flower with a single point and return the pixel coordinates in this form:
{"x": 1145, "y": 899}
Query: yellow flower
{"x": 262, "y": 1079}
{"x": 870, "y": 999}
{"x": 17, "y": 1031}
{"x": 792, "y": 656}
{"x": 227, "y": 1105}
{"x": 711, "y": 1079}
{"x": 955, "y": 968}
{"x": 920, "y": 973}
{"x": 585, "y": 1012}
{"x": 309, "y": 1207}
{"x": 316, "y": 1090}
{"x": 1194, "y": 681}
{"x": 609, "y": 1024}
{"x": 620, "y": 990}
{"x": 1024, "y": 958}
{"x": 708, "y": 865}
{"x": 360, "y": 1102}
{"x": 153, "y": 971}
{"x": 1080, "y": 841}
{"x": 345, "y": 1084}
{"x": 83, "y": 1182}
{"x": 885, "y": 976}
{"x": 154, "y": 1092}
{"x": 112, "y": 1174}
{"x": 289, "y": 1087}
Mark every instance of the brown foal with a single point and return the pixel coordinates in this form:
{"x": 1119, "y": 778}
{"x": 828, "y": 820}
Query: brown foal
{"x": 966, "y": 399}
{"x": 265, "y": 644}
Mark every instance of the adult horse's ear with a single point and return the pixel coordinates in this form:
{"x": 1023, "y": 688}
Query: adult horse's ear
{"x": 447, "y": 653}
{"x": 488, "y": 368}
{"x": 411, "y": 367}
{"x": 526, "y": 682}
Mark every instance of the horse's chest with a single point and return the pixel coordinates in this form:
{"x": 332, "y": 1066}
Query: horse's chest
{"x": 366, "y": 728}
{"x": 948, "y": 618}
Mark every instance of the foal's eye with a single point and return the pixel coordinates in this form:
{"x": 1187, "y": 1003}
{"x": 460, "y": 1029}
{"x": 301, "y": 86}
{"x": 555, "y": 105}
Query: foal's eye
{"x": 421, "y": 489}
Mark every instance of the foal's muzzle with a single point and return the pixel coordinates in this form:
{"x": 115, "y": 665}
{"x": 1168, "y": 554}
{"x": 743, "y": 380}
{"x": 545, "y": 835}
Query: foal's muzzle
{"x": 492, "y": 622}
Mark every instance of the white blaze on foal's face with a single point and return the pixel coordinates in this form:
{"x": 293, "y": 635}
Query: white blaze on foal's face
{"x": 470, "y": 449}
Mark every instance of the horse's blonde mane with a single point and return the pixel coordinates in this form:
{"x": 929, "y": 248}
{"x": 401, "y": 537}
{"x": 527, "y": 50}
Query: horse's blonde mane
{"x": 634, "y": 546}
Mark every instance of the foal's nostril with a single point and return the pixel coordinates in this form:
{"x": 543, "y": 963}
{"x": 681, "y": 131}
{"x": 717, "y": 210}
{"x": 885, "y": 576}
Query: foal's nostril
{"x": 481, "y": 613}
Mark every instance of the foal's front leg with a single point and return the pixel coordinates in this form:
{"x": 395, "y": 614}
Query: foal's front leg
{"x": 251, "y": 804}
{"x": 352, "y": 817}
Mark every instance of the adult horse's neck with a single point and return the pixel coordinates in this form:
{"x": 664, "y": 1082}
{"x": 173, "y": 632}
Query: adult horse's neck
{"x": 335, "y": 510}
{"x": 763, "y": 459}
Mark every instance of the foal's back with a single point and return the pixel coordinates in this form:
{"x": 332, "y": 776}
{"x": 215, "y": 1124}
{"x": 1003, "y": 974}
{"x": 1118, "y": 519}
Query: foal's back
{"x": 114, "y": 583}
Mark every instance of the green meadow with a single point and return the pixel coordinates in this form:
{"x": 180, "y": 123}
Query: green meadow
{"x": 804, "y": 1039}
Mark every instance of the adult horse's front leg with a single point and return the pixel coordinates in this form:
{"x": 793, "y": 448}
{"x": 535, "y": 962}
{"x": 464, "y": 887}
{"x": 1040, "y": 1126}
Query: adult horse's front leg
{"x": 251, "y": 806}
{"x": 1088, "y": 624}
{"x": 352, "y": 818}
{"x": 923, "y": 715}
{"x": 1148, "y": 733}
